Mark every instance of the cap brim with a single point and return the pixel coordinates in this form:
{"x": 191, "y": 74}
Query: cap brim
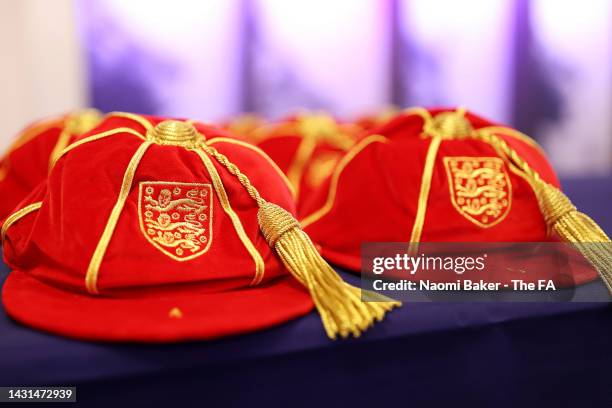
{"x": 153, "y": 318}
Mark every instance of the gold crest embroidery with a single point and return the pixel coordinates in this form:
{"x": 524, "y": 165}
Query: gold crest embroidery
{"x": 480, "y": 188}
{"x": 176, "y": 218}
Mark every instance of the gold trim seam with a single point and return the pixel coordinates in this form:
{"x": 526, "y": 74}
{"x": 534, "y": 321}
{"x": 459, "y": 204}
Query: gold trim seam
{"x": 331, "y": 197}
{"x": 62, "y": 142}
{"x": 132, "y": 116}
{"x": 35, "y": 130}
{"x": 430, "y": 160}
{"x": 17, "y": 215}
{"x": 95, "y": 137}
{"x": 271, "y": 131}
{"x": 304, "y": 152}
{"x": 503, "y": 130}
{"x": 26, "y": 136}
{"x": 418, "y": 111}
{"x": 91, "y": 278}
{"x": 227, "y": 207}
{"x": 77, "y": 123}
{"x": 426, "y": 116}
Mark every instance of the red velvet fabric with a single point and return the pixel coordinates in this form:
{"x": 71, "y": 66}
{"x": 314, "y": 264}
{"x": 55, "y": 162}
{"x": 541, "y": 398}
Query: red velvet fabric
{"x": 282, "y": 141}
{"x": 139, "y": 284}
{"x": 378, "y": 191}
{"x": 26, "y": 163}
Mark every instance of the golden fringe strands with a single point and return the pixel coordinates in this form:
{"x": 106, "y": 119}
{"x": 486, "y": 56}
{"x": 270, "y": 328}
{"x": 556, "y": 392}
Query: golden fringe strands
{"x": 339, "y": 304}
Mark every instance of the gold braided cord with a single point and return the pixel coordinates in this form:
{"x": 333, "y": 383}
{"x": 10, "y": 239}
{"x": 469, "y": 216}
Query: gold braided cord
{"x": 504, "y": 148}
{"x": 261, "y": 153}
{"x": 95, "y": 137}
{"x": 227, "y": 207}
{"x": 506, "y": 131}
{"x": 333, "y": 187}
{"x": 430, "y": 161}
{"x": 132, "y": 116}
{"x": 91, "y": 278}
{"x": 342, "y": 311}
{"x": 235, "y": 171}
{"x": 559, "y": 212}
{"x": 17, "y": 215}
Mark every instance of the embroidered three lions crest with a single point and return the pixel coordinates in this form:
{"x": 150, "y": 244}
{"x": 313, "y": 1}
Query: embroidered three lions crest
{"x": 176, "y": 218}
{"x": 480, "y": 188}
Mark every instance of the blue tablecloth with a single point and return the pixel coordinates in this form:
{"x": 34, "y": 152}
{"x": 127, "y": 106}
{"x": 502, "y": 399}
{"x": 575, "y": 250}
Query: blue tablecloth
{"x": 424, "y": 354}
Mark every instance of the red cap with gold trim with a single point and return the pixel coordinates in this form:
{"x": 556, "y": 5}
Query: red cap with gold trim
{"x": 306, "y": 147}
{"x": 444, "y": 176}
{"x": 154, "y": 234}
{"x": 27, "y": 162}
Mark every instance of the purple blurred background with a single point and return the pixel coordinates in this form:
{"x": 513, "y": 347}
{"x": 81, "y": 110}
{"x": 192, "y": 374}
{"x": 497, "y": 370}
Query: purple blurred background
{"x": 543, "y": 66}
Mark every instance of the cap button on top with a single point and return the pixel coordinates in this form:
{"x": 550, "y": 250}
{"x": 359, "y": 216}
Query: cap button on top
{"x": 448, "y": 125}
{"x": 175, "y": 133}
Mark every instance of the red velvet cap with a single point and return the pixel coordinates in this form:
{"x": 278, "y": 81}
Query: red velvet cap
{"x": 425, "y": 177}
{"x": 306, "y": 147}
{"x": 139, "y": 235}
{"x": 27, "y": 162}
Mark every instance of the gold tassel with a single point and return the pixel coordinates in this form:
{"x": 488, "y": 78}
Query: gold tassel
{"x": 559, "y": 213}
{"x": 573, "y": 226}
{"x": 339, "y": 304}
